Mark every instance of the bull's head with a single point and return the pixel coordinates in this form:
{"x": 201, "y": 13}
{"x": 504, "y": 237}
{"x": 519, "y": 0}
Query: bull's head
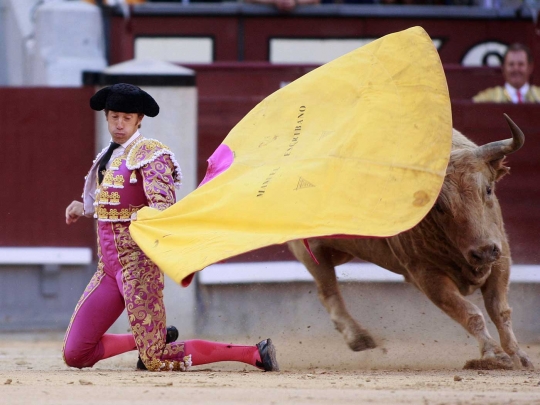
{"x": 467, "y": 209}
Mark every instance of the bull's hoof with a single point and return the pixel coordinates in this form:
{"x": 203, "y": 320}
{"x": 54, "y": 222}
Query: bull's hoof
{"x": 521, "y": 360}
{"x": 526, "y": 363}
{"x": 489, "y": 364}
{"x": 362, "y": 342}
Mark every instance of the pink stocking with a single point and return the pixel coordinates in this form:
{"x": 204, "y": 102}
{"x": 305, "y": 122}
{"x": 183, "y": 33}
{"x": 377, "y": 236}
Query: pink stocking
{"x": 204, "y": 352}
{"x": 117, "y": 344}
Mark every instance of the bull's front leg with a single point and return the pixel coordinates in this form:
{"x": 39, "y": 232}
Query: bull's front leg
{"x": 495, "y": 294}
{"x": 443, "y": 292}
{"x": 330, "y": 296}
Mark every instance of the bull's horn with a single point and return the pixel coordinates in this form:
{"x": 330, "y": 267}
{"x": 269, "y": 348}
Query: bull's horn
{"x": 498, "y": 149}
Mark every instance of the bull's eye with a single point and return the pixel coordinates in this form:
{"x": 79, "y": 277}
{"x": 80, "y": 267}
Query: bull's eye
{"x": 489, "y": 190}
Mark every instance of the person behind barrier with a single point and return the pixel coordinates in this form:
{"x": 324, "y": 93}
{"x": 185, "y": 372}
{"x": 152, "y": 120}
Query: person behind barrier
{"x": 517, "y": 68}
{"x": 131, "y": 173}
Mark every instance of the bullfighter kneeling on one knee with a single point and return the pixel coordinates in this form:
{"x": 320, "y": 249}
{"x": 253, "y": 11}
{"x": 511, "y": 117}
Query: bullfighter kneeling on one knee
{"x": 134, "y": 172}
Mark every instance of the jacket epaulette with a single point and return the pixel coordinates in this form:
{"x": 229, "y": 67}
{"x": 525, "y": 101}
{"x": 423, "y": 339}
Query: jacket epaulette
{"x": 145, "y": 151}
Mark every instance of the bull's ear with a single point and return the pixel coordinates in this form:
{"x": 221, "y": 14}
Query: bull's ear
{"x": 500, "y": 168}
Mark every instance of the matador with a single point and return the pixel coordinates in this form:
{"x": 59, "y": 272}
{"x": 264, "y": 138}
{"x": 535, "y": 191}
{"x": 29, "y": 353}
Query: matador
{"x": 131, "y": 173}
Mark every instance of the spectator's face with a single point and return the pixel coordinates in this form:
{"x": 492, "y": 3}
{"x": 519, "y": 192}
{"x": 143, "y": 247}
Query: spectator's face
{"x": 517, "y": 69}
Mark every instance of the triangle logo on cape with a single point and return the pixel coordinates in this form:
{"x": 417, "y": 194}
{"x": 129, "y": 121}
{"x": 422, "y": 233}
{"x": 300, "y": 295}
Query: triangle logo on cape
{"x": 303, "y": 183}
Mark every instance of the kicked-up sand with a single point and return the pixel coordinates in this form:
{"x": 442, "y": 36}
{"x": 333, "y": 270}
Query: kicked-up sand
{"x": 322, "y": 371}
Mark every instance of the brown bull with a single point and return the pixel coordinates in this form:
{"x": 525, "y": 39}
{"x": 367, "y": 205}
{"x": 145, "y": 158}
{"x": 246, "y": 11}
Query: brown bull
{"x": 460, "y": 246}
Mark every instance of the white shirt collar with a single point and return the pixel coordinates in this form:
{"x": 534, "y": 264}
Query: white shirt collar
{"x": 512, "y": 92}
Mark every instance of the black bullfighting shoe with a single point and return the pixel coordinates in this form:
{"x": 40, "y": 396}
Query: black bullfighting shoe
{"x": 267, "y": 351}
{"x": 172, "y": 335}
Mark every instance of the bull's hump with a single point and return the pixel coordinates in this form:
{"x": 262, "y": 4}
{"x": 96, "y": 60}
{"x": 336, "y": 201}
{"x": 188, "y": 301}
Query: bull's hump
{"x": 460, "y": 141}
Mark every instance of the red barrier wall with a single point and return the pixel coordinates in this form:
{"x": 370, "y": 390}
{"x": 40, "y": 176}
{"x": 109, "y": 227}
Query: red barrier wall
{"x": 47, "y": 138}
{"x": 48, "y": 144}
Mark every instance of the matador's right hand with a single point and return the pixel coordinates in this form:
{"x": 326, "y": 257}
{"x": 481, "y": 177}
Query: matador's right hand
{"x": 74, "y": 211}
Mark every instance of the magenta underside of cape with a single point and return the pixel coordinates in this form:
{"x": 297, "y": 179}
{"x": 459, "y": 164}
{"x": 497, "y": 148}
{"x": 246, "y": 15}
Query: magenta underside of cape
{"x": 220, "y": 161}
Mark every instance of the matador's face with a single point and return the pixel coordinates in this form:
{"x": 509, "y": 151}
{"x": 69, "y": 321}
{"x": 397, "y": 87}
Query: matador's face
{"x": 122, "y": 125}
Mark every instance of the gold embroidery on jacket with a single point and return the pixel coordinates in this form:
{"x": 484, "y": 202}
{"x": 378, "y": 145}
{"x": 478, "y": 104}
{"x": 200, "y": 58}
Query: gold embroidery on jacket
{"x": 115, "y": 165}
{"x": 114, "y": 215}
{"x": 110, "y": 180}
{"x": 106, "y": 198}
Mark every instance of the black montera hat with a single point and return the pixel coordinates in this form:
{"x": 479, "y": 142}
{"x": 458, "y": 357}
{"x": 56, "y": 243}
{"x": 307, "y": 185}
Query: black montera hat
{"x": 123, "y": 97}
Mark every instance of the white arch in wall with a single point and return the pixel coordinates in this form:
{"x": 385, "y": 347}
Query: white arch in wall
{"x": 489, "y": 53}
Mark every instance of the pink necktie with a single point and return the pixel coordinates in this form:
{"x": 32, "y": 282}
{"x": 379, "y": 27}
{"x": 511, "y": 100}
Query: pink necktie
{"x": 520, "y": 100}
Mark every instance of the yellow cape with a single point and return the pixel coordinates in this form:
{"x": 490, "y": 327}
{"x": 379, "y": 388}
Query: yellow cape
{"x": 358, "y": 146}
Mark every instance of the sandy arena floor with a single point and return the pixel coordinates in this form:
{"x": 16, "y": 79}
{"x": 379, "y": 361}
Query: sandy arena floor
{"x": 32, "y": 372}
